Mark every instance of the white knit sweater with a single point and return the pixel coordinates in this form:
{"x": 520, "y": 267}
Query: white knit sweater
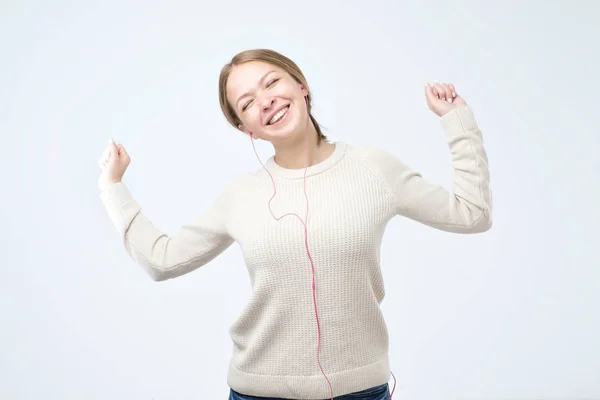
{"x": 352, "y": 196}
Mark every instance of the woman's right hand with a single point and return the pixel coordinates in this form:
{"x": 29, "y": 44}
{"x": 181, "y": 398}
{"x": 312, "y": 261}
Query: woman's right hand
{"x": 113, "y": 163}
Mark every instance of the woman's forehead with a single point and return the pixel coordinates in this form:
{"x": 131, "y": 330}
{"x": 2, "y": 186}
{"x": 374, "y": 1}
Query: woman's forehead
{"x": 248, "y": 75}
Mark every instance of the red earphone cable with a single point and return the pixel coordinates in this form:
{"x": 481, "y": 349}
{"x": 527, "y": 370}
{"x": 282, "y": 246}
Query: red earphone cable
{"x": 304, "y": 224}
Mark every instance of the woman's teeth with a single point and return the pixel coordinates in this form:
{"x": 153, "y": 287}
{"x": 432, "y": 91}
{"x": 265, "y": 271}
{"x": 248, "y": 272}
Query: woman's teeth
{"x": 278, "y": 116}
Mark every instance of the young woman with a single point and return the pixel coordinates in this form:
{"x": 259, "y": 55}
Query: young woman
{"x": 310, "y": 223}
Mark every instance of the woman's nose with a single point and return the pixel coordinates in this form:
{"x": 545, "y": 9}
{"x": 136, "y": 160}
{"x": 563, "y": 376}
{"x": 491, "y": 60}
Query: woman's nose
{"x": 267, "y": 103}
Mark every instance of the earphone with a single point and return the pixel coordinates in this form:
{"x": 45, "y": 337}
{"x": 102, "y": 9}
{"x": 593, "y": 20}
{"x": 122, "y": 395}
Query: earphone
{"x": 304, "y": 224}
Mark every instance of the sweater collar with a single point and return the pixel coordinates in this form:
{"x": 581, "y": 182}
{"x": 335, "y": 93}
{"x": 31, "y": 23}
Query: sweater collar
{"x": 334, "y": 158}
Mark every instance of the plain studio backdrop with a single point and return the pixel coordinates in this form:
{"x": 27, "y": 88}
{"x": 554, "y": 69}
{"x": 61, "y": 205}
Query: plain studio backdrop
{"x": 509, "y": 314}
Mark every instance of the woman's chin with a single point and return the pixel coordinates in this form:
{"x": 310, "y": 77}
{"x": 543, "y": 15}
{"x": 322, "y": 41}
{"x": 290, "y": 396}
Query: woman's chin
{"x": 285, "y": 134}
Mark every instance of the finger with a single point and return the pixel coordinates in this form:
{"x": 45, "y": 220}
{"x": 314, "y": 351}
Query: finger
{"x": 440, "y": 91}
{"x": 123, "y": 155}
{"x": 430, "y": 93}
{"x": 449, "y": 96}
{"x": 436, "y": 92}
{"x": 453, "y": 89}
{"x": 447, "y": 92}
{"x": 123, "y": 151}
{"x": 112, "y": 146}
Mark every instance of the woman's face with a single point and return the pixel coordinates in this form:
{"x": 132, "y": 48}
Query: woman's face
{"x": 269, "y": 102}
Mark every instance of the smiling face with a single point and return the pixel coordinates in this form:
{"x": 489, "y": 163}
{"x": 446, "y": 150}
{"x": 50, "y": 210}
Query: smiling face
{"x": 268, "y": 101}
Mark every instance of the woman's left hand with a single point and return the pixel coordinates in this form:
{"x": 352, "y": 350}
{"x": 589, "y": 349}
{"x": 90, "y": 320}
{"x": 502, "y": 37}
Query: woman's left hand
{"x": 442, "y": 98}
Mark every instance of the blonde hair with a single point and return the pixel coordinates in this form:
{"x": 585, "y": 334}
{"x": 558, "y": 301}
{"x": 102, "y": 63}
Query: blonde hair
{"x": 271, "y": 57}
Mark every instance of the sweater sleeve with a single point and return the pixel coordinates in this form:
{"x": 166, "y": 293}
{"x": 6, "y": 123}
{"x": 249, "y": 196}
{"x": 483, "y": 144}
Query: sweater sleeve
{"x": 467, "y": 207}
{"x": 162, "y": 256}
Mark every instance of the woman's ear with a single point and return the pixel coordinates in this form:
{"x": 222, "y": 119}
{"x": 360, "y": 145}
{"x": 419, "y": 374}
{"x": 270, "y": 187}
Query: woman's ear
{"x": 304, "y": 91}
{"x": 247, "y": 132}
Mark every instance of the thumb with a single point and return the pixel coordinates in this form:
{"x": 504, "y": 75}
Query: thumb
{"x": 429, "y": 95}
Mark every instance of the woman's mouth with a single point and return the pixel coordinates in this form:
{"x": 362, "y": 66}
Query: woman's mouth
{"x": 278, "y": 116}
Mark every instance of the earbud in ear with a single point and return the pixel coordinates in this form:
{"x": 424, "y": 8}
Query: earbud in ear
{"x": 306, "y": 95}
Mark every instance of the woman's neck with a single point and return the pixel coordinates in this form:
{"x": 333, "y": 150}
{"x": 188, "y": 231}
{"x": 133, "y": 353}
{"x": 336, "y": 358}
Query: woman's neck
{"x": 293, "y": 156}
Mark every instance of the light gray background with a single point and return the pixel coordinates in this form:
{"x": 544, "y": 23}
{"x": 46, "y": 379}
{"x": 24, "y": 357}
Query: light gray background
{"x": 510, "y": 314}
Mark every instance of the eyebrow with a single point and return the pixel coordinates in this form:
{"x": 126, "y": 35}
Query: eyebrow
{"x": 259, "y": 83}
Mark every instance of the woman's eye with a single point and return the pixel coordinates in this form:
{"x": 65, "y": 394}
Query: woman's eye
{"x": 269, "y": 84}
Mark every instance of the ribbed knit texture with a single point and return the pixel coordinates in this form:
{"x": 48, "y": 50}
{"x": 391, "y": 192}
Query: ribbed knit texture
{"x": 352, "y": 196}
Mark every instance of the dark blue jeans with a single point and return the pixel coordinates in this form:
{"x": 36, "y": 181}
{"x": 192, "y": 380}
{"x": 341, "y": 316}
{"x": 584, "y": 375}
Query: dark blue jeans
{"x": 380, "y": 392}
